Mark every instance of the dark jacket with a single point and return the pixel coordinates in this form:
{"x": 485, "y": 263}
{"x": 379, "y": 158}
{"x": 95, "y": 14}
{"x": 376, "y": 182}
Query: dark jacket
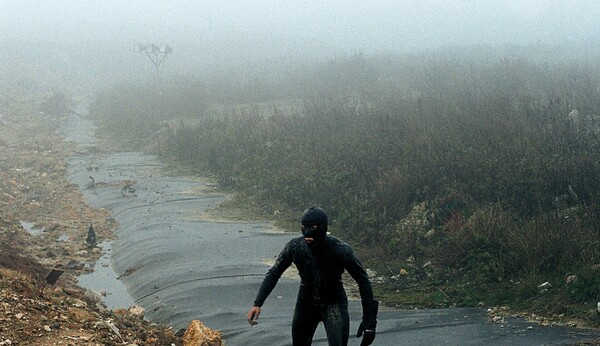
{"x": 320, "y": 273}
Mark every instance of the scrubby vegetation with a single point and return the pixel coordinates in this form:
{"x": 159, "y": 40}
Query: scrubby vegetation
{"x": 462, "y": 178}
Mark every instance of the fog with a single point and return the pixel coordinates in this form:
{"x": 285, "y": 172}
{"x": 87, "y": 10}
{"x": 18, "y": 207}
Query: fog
{"x": 209, "y": 31}
{"x": 349, "y": 24}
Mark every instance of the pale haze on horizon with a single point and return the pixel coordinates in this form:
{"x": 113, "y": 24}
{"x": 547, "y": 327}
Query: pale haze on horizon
{"x": 373, "y": 25}
{"x": 97, "y": 39}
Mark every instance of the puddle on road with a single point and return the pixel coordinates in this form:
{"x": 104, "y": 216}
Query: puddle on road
{"x": 103, "y": 280}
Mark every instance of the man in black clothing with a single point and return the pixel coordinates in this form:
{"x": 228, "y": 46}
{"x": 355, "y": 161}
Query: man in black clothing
{"x": 321, "y": 260}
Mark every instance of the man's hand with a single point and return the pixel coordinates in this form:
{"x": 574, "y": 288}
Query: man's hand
{"x": 253, "y": 315}
{"x": 369, "y": 335}
{"x": 369, "y": 322}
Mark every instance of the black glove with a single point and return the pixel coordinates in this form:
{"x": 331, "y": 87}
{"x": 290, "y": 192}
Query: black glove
{"x": 369, "y": 322}
{"x": 369, "y": 334}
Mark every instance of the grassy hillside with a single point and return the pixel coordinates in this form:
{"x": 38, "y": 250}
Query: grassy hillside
{"x": 462, "y": 178}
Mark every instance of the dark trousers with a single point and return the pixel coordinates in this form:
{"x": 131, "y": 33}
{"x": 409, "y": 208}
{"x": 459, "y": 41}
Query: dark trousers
{"x": 335, "y": 320}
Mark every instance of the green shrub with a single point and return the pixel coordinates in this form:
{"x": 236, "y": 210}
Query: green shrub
{"x": 586, "y": 286}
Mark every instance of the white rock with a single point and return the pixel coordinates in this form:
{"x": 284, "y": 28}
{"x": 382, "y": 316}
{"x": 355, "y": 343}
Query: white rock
{"x": 78, "y": 303}
{"x": 137, "y": 310}
{"x": 371, "y": 272}
{"x": 112, "y": 327}
{"x": 545, "y": 285}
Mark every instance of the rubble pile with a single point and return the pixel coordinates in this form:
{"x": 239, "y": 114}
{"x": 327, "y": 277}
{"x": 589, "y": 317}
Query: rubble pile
{"x": 32, "y": 313}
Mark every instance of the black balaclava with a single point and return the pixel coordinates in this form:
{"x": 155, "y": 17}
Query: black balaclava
{"x": 314, "y": 216}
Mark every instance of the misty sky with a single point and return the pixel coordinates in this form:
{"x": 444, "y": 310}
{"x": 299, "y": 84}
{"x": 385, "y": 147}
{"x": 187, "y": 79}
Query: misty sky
{"x": 348, "y": 24}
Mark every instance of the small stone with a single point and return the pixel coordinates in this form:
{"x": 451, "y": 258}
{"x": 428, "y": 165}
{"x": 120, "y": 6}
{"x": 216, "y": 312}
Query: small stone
{"x": 545, "y": 285}
{"x": 78, "y": 303}
{"x": 47, "y": 328}
{"x": 137, "y": 310}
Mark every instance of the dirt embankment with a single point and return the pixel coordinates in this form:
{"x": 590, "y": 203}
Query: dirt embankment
{"x": 35, "y": 194}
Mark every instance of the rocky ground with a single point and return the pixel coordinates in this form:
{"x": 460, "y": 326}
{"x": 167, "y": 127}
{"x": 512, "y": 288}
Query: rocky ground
{"x": 44, "y": 224}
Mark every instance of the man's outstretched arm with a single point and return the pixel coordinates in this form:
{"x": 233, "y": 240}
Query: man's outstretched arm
{"x": 284, "y": 260}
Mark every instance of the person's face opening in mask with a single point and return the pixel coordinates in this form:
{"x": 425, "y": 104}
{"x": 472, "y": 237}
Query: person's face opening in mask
{"x": 310, "y": 233}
